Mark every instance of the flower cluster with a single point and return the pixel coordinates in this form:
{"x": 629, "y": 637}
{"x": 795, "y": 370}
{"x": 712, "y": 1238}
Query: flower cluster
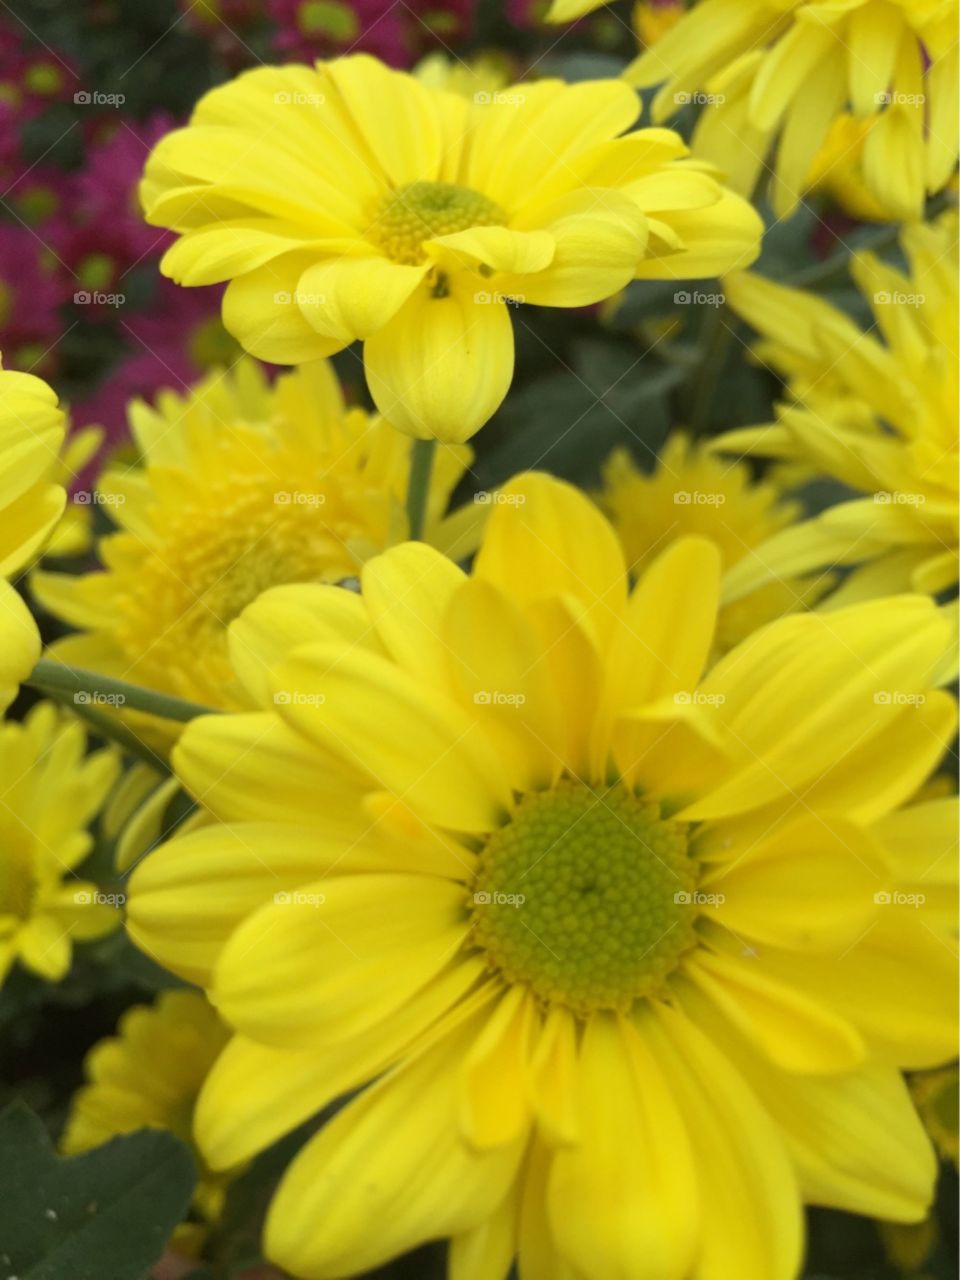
{"x": 475, "y": 747}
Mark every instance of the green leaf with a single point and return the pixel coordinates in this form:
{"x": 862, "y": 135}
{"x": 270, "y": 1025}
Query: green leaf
{"x": 66, "y": 1219}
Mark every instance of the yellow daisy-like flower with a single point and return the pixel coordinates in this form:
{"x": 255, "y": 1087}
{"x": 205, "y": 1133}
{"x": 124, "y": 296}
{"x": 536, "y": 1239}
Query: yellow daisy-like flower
{"x": 148, "y": 1076}
{"x": 243, "y": 486}
{"x": 879, "y": 416}
{"x": 32, "y": 430}
{"x": 349, "y": 201}
{"x": 779, "y": 72}
{"x": 623, "y": 944}
{"x": 49, "y": 791}
{"x": 692, "y": 491}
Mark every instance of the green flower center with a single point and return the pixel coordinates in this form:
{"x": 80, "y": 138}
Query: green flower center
{"x": 585, "y": 896}
{"x": 421, "y": 210}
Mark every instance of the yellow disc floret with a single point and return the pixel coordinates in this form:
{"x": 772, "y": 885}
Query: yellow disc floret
{"x": 421, "y": 210}
{"x": 584, "y": 896}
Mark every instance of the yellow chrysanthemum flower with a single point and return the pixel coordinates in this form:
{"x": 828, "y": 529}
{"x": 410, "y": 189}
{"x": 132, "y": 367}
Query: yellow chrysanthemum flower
{"x": 243, "y": 486}
{"x": 354, "y": 202}
{"x": 692, "y": 491}
{"x": 148, "y": 1076}
{"x": 879, "y": 416}
{"x": 623, "y": 944}
{"x": 779, "y": 72}
{"x": 32, "y": 430}
{"x": 49, "y": 791}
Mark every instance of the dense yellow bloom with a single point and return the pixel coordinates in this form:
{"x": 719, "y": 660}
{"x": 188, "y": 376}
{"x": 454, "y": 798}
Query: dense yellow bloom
{"x": 624, "y": 944}
{"x": 242, "y": 486}
{"x": 880, "y": 416}
{"x": 692, "y": 491}
{"x": 32, "y": 430}
{"x": 148, "y": 1076}
{"x": 49, "y": 791}
{"x": 779, "y": 72}
{"x": 354, "y": 202}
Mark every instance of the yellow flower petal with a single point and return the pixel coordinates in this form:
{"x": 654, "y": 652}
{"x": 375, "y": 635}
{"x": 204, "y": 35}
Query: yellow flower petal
{"x": 262, "y": 311}
{"x": 407, "y": 591}
{"x": 367, "y": 1166}
{"x": 19, "y": 643}
{"x": 623, "y": 1200}
{"x": 444, "y": 363}
{"x": 808, "y": 884}
{"x": 752, "y": 1222}
{"x": 794, "y": 1031}
{"x": 350, "y": 298}
{"x": 418, "y": 745}
{"x": 340, "y": 964}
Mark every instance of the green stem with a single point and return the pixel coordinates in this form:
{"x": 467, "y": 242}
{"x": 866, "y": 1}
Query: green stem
{"x": 418, "y": 489}
{"x": 54, "y": 678}
{"x": 717, "y": 337}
